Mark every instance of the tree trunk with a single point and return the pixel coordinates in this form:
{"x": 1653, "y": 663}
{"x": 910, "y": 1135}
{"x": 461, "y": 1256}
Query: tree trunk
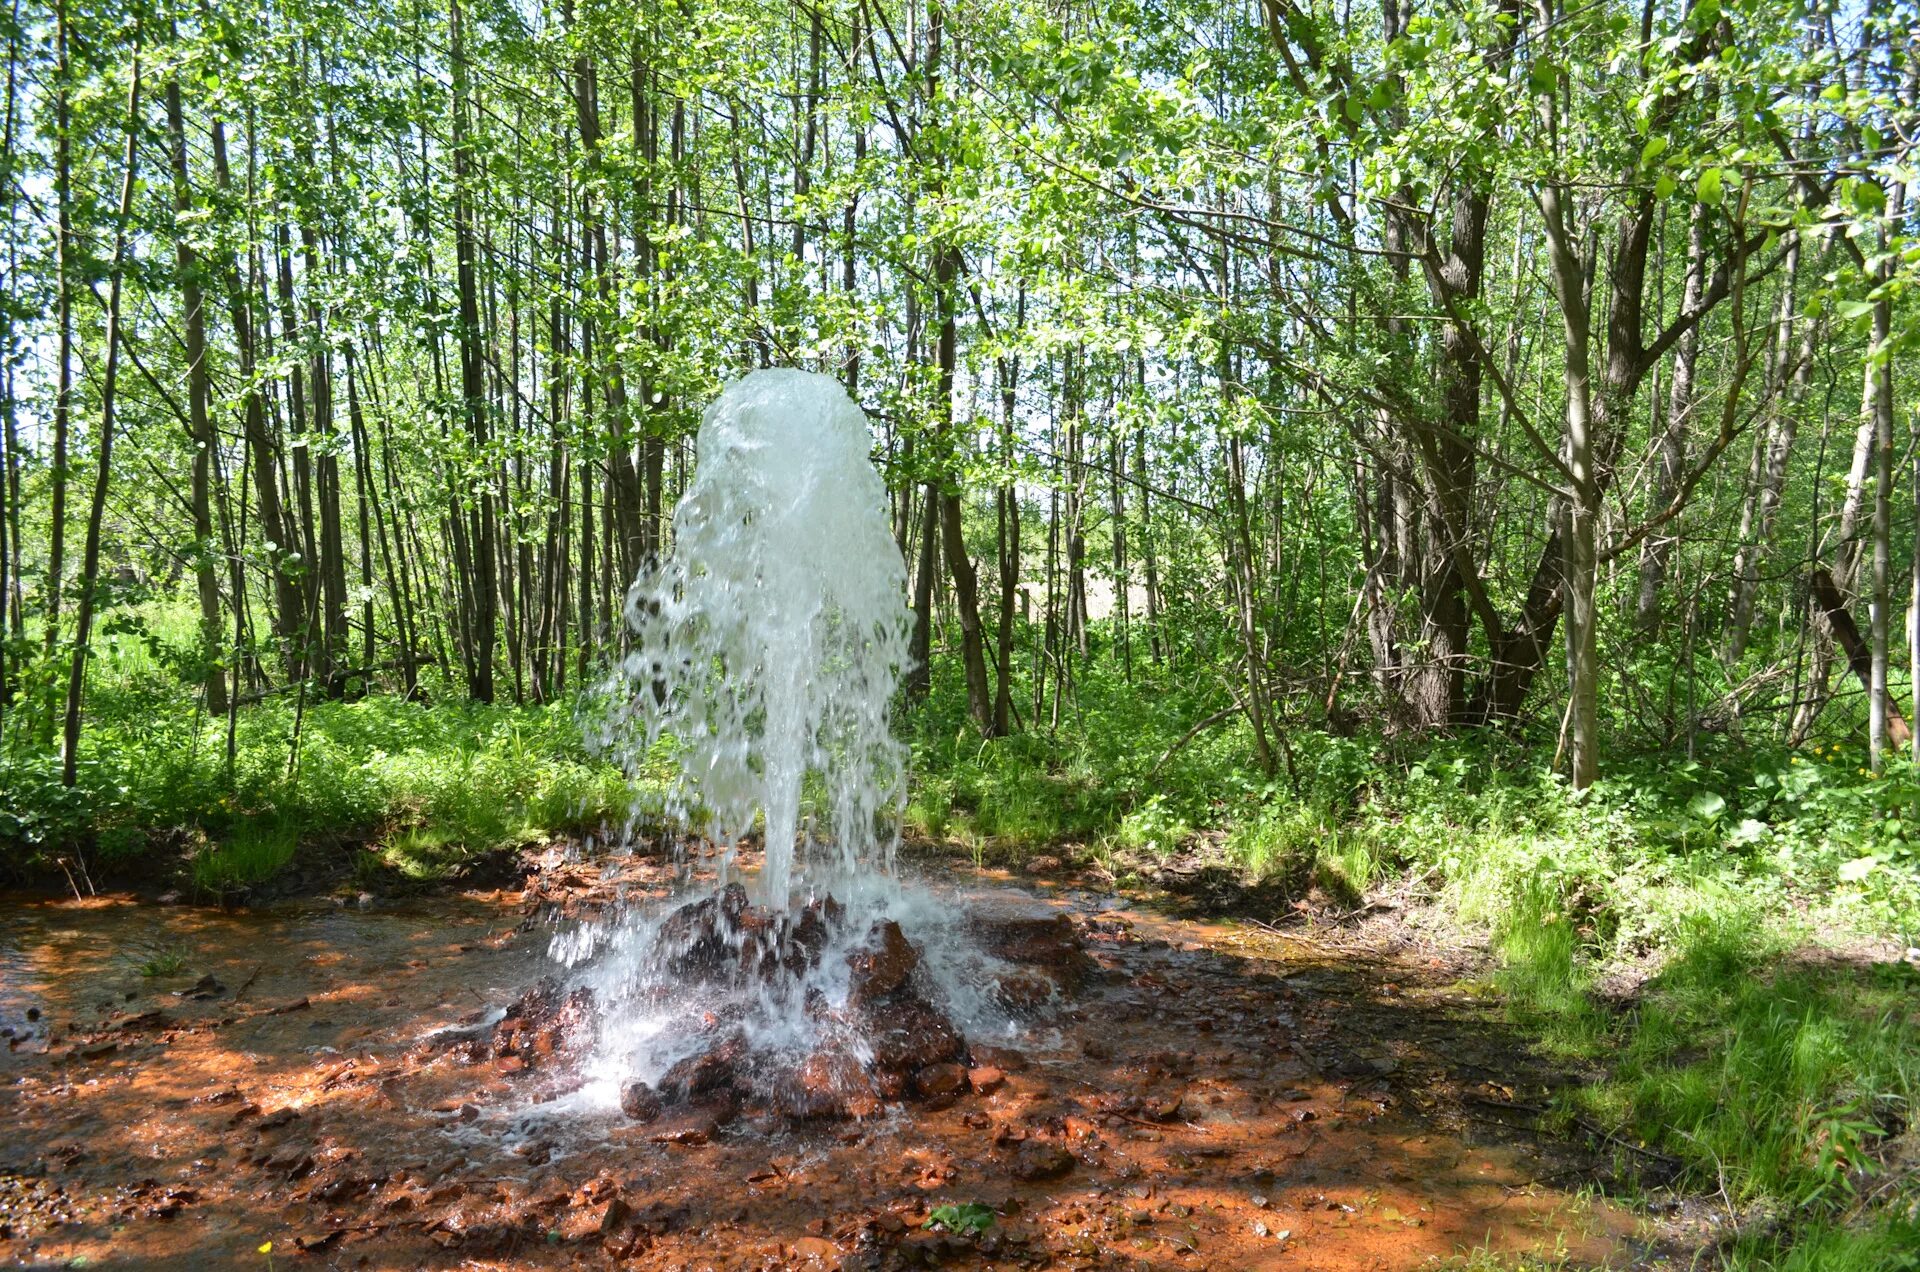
{"x": 200, "y": 425}
{"x": 1671, "y": 463}
{"x": 103, "y": 472}
{"x": 480, "y": 580}
{"x": 1583, "y": 509}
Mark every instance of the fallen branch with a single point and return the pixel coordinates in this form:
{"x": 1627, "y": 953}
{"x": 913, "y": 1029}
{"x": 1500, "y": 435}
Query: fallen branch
{"x": 1599, "y": 1132}
{"x": 1827, "y": 596}
{"x": 1189, "y": 736}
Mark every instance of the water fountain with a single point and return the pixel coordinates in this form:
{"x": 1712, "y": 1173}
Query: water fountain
{"x": 767, "y": 648}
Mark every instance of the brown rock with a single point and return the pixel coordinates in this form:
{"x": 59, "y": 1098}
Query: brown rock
{"x": 639, "y": 1102}
{"x": 1023, "y": 991}
{"x": 940, "y": 1079}
{"x": 692, "y": 1124}
{"x": 985, "y": 1079}
{"x": 614, "y": 1218}
{"x": 828, "y": 1084}
{"x": 883, "y": 966}
{"x": 1004, "y": 1059}
{"x": 815, "y": 1253}
{"x": 1038, "y": 1159}
{"x": 714, "y": 1069}
{"x": 1050, "y": 944}
{"x": 912, "y": 1035}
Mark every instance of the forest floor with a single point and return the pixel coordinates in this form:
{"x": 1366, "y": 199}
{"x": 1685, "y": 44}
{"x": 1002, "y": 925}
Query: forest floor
{"x": 185, "y": 1085}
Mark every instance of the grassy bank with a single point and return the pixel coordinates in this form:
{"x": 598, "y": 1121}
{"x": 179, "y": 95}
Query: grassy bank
{"x": 388, "y": 789}
{"x": 1707, "y": 938}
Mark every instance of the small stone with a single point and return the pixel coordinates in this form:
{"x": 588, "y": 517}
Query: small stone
{"x": 1037, "y": 1160}
{"x": 940, "y": 1079}
{"x": 614, "y": 1217}
{"x": 639, "y": 1102}
{"x": 985, "y": 1079}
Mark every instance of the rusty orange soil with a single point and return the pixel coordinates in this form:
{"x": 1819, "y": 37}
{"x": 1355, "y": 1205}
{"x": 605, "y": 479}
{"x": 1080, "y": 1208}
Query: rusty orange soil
{"x": 1216, "y": 1096}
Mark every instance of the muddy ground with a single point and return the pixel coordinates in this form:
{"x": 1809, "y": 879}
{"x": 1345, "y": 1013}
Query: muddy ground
{"x": 181, "y": 1086}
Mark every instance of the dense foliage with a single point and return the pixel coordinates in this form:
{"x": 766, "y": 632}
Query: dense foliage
{"x": 1453, "y": 442}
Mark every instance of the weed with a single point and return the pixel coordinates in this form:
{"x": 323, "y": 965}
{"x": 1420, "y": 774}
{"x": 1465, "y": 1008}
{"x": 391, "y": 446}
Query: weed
{"x": 254, "y": 852}
{"x": 968, "y": 1219}
{"x": 162, "y": 961}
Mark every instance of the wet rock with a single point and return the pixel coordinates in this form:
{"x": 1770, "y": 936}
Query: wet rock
{"x": 940, "y": 1079}
{"x": 616, "y": 1216}
{"x": 715, "y": 1068}
{"x": 545, "y": 1022}
{"x": 883, "y": 966}
{"x": 815, "y": 1253}
{"x": 985, "y": 1079}
{"x": 694, "y": 1124}
{"x": 723, "y": 939}
{"x": 912, "y": 1035}
{"x": 1163, "y": 1108}
{"x": 1038, "y": 1160}
{"x": 1004, "y": 1059}
{"x": 828, "y": 1084}
{"x": 1050, "y": 945}
{"x": 640, "y": 1102}
{"x": 1022, "y": 992}
{"x": 694, "y": 940}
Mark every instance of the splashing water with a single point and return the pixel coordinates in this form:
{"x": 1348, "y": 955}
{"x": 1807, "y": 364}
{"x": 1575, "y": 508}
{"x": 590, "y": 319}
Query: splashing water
{"x": 767, "y": 648}
{"x": 770, "y": 641}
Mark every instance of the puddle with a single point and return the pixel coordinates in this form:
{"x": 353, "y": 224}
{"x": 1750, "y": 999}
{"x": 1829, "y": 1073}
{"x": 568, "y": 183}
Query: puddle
{"x": 1215, "y": 1096}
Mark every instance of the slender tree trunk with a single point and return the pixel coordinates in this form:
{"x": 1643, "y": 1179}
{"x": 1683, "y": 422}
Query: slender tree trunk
{"x": 1880, "y": 378}
{"x": 200, "y": 425}
{"x": 1772, "y": 449}
{"x": 103, "y": 471}
{"x": 480, "y": 581}
{"x": 920, "y": 640}
{"x": 1671, "y": 463}
{"x": 63, "y": 303}
{"x": 1583, "y": 509}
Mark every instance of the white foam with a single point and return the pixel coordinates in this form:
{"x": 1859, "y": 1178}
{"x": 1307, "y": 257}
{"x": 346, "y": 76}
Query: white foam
{"x": 770, "y": 639}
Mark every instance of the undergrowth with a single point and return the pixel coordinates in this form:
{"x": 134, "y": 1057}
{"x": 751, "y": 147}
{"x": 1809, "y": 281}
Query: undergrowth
{"x": 1703, "y": 935}
{"x": 421, "y": 788}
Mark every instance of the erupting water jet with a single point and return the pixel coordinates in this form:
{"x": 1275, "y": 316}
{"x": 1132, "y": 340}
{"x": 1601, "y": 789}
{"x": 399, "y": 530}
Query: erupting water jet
{"x": 767, "y": 646}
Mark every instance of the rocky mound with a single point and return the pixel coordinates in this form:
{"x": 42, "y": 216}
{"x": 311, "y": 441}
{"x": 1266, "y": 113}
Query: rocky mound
{"x": 887, "y": 1041}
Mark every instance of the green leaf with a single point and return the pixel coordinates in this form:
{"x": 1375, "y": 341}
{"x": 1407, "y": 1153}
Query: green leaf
{"x": 1707, "y": 805}
{"x": 1708, "y": 190}
{"x": 1857, "y": 869}
{"x": 1664, "y": 185}
{"x": 1543, "y": 76}
{"x": 1655, "y": 147}
{"x": 969, "y": 1219}
{"x": 1868, "y": 198}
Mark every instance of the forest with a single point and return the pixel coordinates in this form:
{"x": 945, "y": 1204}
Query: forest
{"x": 1439, "y": 478}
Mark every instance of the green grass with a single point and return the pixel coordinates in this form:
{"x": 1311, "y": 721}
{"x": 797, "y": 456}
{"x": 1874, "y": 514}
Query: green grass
{"x": 253, "y": 852}
{"x": 161, "y": 961}
{"x": 1780, "y": 1077}
{"x": 427, "y": 785}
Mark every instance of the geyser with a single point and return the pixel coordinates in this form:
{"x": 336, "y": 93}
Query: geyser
{"x": 767, "y": 646}
{"x": 769, "y": 642}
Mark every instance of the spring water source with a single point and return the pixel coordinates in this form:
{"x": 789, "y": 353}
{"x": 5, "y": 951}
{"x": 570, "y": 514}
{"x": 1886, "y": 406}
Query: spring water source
{"x": 768, "y": 645}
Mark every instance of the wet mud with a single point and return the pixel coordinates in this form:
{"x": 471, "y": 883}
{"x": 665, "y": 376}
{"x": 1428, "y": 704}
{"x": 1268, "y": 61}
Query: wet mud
{"x": 181, "y": 1086}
